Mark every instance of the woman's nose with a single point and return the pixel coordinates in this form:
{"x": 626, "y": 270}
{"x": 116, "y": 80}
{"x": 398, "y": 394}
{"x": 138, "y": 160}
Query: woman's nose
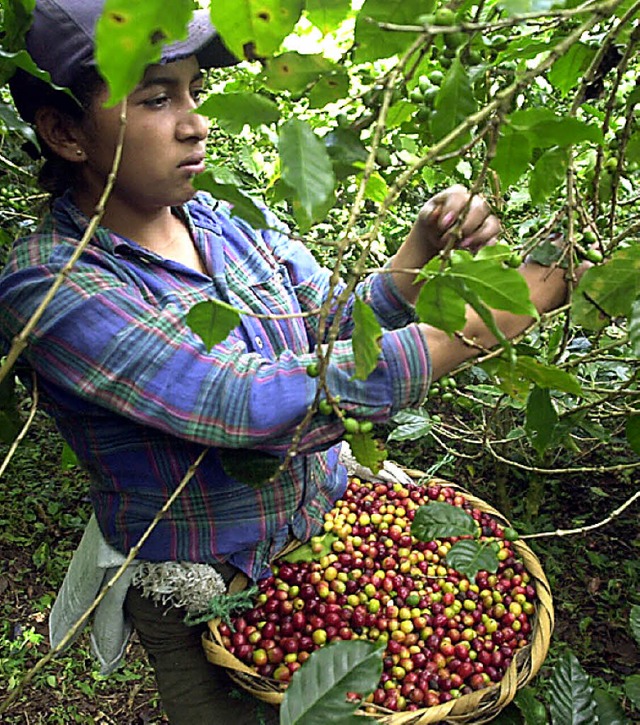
{"x": 192, "y": 124}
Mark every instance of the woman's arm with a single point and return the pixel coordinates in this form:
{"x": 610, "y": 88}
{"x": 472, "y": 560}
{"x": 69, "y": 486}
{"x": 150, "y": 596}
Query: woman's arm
{"x": 548, "y": 290}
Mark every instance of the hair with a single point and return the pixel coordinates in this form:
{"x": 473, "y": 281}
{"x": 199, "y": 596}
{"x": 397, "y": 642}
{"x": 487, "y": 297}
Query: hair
{"x": 30, "y": 94}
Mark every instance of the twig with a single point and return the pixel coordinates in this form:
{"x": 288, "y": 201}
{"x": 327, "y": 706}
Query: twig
{"x": 25, "y": 427}
{"x": 591, "y": 527}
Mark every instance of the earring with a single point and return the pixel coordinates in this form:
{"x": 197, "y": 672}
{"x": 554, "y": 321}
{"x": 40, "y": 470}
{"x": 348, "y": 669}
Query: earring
{"x": 79, "y": 152}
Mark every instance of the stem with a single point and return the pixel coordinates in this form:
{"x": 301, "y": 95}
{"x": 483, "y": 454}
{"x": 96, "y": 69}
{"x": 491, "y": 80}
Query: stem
{"x": 24, "y": 430}
{"x": 591, "y": 527}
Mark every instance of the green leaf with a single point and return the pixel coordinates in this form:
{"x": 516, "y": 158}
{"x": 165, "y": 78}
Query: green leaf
{"x": 438, "y": 519}
{"x": 376, "y": 188}
{"x": 12, "y": 122}
{"x": 517, "y": 7}
{"x": 499, "y": 288}
{"x": 256, "y": 26}
{"x": 412, "y": 425}
{"x": 526, "y": 119}
{"x": 570, "y": 693}
{"x": 367, "y": 450}
{"x": 399, "y": 113}
{"x": 306, "y": 167}
{"x": 371, "y": 41}
{"x": 548, "y": 376}
{"x": 608, "y": 709}
{"x": 440, "y": 305}
{"x": 16, "y": 20}
{"x": 317, "y": 692}
{"x": 470, "y": 556}
{"x": 633, "y": 327}
{"x": 346, "y": 151}
{"x": 569, "y": 68}
{"x": 233, "y": 110}
{"x": 541, "y": 419}
{"x": 455, "y": 101}
{"x": 533, "y": 710}
{"x": 242, "y": 205}
{"x": 632, "y": 431}
{"x": 306, "y": 553}
{"x": 611, "y": 288}
{"x": 327, "y": 15}
{"x": 509, "y": 716}
{"x": 632, "y": 689}
{"x": 366, "y": 339}
{"x": 513, "y": 155}
{"x": 330, "y": 88}
{"x": 634, "y": 621}
{"x": 564, "y": 131}
{"x": 130, "y": 35}
{"x": 68, "y": 459}
{"x": 254, "y": 468}
{"x": 212, "y": 321}
{"x": 548, "y": 173}
{"x": 295, "y": 72}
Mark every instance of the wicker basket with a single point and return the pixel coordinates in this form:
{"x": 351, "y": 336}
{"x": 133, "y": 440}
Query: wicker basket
{"x": 475, "y": 708}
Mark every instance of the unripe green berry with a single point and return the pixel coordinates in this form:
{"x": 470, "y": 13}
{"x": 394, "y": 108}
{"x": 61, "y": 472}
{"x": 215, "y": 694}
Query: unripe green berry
{"x": 325, "y": 407}
{"x": 351, "y": 425}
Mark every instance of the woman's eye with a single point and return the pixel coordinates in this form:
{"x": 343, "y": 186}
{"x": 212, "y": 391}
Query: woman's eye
{"x": 197, "y": 94}
{"x": 157, "y": 101}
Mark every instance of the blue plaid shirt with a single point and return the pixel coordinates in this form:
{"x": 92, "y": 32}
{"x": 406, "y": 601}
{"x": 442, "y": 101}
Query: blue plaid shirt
{"x": 137, "y": 394}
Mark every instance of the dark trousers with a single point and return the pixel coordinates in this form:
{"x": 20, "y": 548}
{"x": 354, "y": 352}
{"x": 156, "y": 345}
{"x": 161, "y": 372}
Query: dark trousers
{"x": 193, "y": 691}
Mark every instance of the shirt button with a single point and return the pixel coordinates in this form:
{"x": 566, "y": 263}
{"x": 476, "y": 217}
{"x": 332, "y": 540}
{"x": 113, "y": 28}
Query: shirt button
{"x": 259, "y": 343}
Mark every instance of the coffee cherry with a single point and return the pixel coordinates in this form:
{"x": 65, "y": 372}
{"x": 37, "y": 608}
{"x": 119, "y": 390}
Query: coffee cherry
{"x": 313, "y": 370}
{"x": 593, "y": 255}
{"x": 325, "y": 407}
{"x": 444, "y": 16}
{"x": 351, "y": 425}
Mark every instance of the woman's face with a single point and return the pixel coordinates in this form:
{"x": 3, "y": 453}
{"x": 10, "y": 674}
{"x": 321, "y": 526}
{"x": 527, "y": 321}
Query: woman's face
{"x": 164, "y": 144}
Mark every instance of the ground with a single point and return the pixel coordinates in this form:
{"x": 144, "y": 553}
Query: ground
{"x": 44, "y": 507}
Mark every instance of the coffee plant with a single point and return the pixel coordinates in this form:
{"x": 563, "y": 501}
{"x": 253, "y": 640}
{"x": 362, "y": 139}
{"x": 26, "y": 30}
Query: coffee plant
{"x": 343, "y": 120}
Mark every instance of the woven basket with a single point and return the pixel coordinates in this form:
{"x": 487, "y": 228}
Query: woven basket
{"x": 475, "y": 708}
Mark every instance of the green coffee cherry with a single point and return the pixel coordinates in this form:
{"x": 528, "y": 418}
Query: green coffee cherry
{"x": 351, "y": 425}
{"x": 445, "y": 16}
{"x": 325, "y": 407}
{"x": 514, "y": 261}
{"x": 593, "y": 255}
{"x": 313, "y": 370}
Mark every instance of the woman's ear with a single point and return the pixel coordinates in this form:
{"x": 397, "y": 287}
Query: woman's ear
{"x": 60, "y": 133}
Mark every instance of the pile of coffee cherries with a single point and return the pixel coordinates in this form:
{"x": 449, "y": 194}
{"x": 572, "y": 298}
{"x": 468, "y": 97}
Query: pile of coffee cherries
{"x": 445, "y": 636}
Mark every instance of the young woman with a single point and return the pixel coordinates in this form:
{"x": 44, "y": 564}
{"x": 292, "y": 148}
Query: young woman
{"x": 138, "y": 396}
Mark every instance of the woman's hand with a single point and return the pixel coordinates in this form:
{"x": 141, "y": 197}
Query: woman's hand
{"x": 440, "y": 220}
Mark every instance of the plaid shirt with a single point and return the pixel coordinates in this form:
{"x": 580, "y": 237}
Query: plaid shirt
{"x": 137, "y": 394}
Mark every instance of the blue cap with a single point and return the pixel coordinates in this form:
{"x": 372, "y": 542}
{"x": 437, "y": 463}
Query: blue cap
{"x": 61, "y": 39}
